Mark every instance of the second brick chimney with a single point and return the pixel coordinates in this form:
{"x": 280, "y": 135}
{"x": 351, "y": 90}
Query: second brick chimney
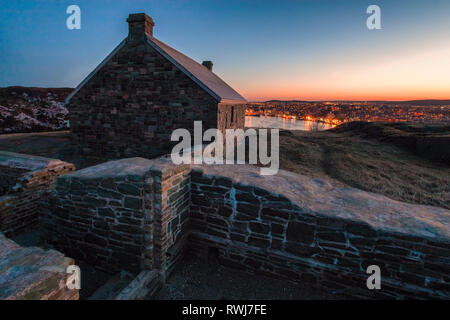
{"x": 139, "y": 24}
{"x": 208, "y": 64}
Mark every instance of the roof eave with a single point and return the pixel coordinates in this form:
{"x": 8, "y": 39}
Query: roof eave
{"x": 232, "y": 101}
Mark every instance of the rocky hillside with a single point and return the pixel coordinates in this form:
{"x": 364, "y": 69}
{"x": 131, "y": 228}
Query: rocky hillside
{"x": 32, "y": 109}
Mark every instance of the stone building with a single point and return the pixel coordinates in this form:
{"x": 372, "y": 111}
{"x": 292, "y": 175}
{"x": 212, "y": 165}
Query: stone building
{"x": 142, "y": 91}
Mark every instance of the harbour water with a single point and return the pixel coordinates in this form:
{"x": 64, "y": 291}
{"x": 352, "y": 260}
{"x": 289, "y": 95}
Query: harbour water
{"x": 284, "y": 123}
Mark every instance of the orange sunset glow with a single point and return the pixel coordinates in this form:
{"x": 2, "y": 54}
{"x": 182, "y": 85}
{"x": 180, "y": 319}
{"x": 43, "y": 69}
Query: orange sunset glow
{"x": 403, "y": 76}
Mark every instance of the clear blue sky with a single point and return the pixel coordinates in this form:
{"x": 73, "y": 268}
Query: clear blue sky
{"x": 265, "y": 49}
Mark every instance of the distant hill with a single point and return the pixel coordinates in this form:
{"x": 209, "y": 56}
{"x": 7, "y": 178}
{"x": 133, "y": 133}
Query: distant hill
{"x": 425, "y": 102}
{"x": 288, "y": 101}
{"x": 28, "y": 109}
{"x": 428, "y": 102}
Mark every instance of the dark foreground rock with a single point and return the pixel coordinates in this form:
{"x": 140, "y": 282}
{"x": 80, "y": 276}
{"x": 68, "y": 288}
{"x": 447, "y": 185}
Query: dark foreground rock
{"x": 33, "y": 273}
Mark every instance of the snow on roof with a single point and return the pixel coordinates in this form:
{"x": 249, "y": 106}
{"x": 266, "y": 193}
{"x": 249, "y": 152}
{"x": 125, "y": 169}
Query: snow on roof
{"x": 200, "y": 74}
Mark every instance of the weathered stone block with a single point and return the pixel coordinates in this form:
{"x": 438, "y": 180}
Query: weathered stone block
{"x": 300, "y": 232}
{"x": 250, "y": 210}
{"x": 271, "y": 214}
{"x": 263, "y": 243}
{"x": 31, "y": 273}
{"x": 133, "y": 203}
{"x": 260, "y": 228}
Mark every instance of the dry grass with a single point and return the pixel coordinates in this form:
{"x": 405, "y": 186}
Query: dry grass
{"x": 350, "y": 160}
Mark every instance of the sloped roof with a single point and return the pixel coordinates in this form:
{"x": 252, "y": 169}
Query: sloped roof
{"x": 195, "y": 70}
{"x": 204, "y": 77}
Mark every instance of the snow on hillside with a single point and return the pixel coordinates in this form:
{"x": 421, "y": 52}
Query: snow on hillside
{"x": 32, "y": 109}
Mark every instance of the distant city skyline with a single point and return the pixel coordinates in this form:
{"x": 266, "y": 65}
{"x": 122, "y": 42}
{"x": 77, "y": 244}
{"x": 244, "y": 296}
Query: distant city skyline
{"x": 280, "y": 50}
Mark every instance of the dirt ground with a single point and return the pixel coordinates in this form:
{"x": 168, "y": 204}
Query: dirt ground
{"x": 198, "y": 279}
{"x": 205, "y": 280}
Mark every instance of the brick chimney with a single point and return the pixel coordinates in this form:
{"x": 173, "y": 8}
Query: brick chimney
{"x": 208, "y": 64}
{"x": 139, "y": 24}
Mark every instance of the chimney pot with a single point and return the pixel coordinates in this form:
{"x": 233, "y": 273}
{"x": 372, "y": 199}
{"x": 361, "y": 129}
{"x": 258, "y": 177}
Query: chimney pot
{"x": 139, "y": 24}
{"x": 208, "y": 64}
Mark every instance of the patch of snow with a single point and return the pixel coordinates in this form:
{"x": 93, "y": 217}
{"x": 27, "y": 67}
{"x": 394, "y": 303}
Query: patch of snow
{"x": 5, "y": 111}
{"x": 27, "y": 120}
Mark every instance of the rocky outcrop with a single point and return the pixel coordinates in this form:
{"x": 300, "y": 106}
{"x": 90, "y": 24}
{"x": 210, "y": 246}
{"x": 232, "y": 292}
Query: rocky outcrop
{"x": 33, "y": 273}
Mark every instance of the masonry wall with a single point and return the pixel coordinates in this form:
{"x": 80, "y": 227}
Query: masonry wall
{"x": 129, "y": 214}
{"x": 258, "y": 230}
{"x": 133, "y": 103}
{"x": 230, "y": 116}
{"x": 138, "y": 214}
{"x": 9, "y": 177}
{"x": 26, "y": 182}
{"x": 171, "y": 212}
{"x": 104, "y": 221}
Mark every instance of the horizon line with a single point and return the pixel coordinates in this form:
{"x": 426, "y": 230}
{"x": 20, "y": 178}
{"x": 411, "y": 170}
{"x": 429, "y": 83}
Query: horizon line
{"x": 347, "y": 100}
{"x": 270, "y": 100}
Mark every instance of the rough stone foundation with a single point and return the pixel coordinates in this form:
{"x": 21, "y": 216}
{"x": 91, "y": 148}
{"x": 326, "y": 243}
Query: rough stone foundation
{"x": 24, "y": 181}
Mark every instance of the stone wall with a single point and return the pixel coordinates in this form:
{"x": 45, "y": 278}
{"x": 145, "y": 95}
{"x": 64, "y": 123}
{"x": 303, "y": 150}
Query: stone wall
{"x": 9, "y": 177}
{"x": 138, "y": 214}
{"x": 101, "y": 215}
{"x": 231, "y": 116}
{"x": 26, "y": 180}
{"x": 133, "y": 103}
{"x": 33, "y": 273}
{"x": 120, "y": 215}
{"x": 303, "y": 229}
{"x": 172, "y": 199}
